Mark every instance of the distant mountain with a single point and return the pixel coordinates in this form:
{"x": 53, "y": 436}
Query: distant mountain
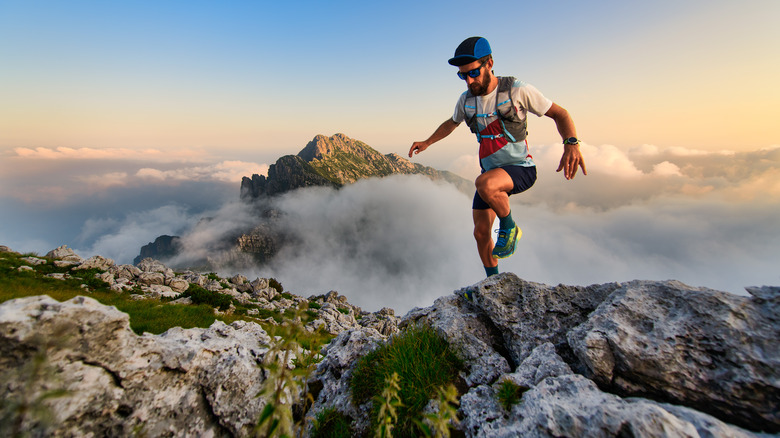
{"x": 334, "y": 162}
{"x": 325, "y": 161}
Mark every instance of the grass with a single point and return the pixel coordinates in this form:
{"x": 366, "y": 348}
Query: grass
{"x": 146, "y": 315}
{"x": 331, "y": 423}
{"x": 509, "y": 394}
{"x": 424, "y": 362}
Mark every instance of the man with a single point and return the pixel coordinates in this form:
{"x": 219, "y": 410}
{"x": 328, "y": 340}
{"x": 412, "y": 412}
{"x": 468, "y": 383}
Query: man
{"x": 496, "y": 110}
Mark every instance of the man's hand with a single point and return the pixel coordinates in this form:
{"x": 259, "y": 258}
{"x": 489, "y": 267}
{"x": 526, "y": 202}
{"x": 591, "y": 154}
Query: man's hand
{"x": 571, "y": 159}
{"x": 418, "y": 147}
{"x": 442, "y": 131}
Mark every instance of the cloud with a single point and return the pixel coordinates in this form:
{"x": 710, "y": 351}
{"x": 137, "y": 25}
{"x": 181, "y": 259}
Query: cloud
{"x": 104, "y": 180}
{"x": 666, "y": 168}
{"x": 85, "y": 153}
{"x": 466, "y": 166}
{"x": 228, "y": 171}
{"x": 707, "y": 219}
{"x": 61, "y": 181}
{"x": 124, "y": 241}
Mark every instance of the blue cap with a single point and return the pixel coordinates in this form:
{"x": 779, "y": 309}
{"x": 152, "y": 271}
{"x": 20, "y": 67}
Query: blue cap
{"x": 470, "y": 50}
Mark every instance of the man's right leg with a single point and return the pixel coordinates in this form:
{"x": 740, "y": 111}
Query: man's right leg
{"x": 483, "y": 222}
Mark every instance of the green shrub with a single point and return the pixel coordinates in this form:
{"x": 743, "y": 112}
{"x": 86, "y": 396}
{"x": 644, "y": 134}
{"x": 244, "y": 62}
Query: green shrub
{"x": 331, "y": 423}
{"x": 274, "y": 283}
{"x": 198, "y": 295}
{"x": 314, "y": 305}
{"x": 509, "y": 394}
{"x": 343, "y": 310}
{"x": 424, "y": 362}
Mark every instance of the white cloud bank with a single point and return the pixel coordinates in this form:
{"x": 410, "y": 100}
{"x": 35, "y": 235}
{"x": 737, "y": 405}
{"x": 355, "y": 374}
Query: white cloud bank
{"x": 707, "y": 219}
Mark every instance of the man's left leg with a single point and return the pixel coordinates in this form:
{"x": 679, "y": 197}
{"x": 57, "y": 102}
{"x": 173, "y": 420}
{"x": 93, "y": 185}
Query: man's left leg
{"x": 494, "y": 187}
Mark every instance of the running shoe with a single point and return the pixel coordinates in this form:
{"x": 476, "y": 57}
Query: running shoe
{"x": 505, "y": 244}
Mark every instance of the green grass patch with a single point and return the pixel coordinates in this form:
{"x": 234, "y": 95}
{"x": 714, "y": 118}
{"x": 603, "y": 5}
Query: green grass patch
{"x": 199, "y": 295}
{"x": 331, "y": 423}
{"x": 146, "y": 315}
{"x": 424, "y": 362}
{"x": 509, "y": 394}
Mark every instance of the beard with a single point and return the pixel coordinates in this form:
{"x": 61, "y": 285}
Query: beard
{"x": 479, "y": 87}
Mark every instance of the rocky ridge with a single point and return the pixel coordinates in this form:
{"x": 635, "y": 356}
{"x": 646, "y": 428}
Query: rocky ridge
{"x": 333, "y": 162}
{"x": 641, "y": 358}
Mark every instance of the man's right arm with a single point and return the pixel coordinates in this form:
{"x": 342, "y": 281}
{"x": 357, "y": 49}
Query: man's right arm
{"x": 442, "y": 131}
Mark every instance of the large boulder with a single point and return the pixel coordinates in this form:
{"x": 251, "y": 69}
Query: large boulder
{"x": 530, "y": 314}
{"x": 185, "y": 382}
{"x": 697, "y": 347}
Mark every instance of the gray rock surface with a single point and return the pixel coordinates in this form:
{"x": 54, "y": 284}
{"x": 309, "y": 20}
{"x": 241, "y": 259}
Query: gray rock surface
{"x": 639, "y": 359}
{"x": 193, "y": 382}
{"x": 711, "y": 350}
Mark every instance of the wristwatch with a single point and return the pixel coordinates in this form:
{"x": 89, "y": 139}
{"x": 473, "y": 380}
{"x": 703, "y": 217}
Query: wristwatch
{"x": 571, "y": 140}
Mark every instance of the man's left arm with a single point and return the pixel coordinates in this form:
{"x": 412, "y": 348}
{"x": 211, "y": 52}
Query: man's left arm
{"x": 572, "y": 157}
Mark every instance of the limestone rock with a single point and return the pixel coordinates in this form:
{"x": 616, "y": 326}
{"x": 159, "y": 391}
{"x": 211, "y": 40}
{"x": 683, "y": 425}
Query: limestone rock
{"x": 150, "y": 278}
{"x": 529, "y": 314}
{"x": 193, "y": 382}
{"x": 65, "y": 254}
{"x": 469, "y": 332}
{"x": 331, "y": 379}
{"x": 697, "y": 347}
{"x": 95, "y": 262}
{"x": 384, "y": 321}
{"x": 128, "y": 272}
{"x": 35, "y": 261}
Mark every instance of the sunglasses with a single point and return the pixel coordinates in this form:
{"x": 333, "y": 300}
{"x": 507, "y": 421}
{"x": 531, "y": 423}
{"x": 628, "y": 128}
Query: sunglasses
{"x": 471, "y": 73}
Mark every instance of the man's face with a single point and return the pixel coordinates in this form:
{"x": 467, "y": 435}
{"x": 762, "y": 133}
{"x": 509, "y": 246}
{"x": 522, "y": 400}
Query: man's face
{"x": 479, "y": 85}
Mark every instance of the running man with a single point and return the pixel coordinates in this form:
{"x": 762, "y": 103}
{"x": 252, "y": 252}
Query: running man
{"x": 496, "y": 110}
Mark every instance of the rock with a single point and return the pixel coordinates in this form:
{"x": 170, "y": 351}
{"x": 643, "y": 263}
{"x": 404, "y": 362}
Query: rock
{"x": 150, "y": 278}
{"x": 106, "y": 277}
{"x": 529, "y": 314}
{"x": 195, "y": 278}
{"x": 696, "y": 347}
{"x": 95, "y": 262}
{"x": 185, "y": 382}
{"x": 469, "y": 332}
{"x": 35, "y": 261}
{"x": 179, "y": 284}
{"x": 65, "y": 254}
{"x": 543, "y": 362}
{"x": 159, "y": 290}
{"x": 329, "y": 316}
{"x": 213, "y": 286}
{"x": 573, "y": 406}
{"x": 384, "y": 321}
{"x": 163, "y": 247}
{"x": 152, "y": 265}
{"x": 128, "y": 272}
{"x": 331, "y": 379}
{"x": 4, "y": 248}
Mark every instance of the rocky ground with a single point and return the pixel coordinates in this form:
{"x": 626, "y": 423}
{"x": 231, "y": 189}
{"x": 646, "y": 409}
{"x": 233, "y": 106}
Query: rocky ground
{"x": 641, "y": 358}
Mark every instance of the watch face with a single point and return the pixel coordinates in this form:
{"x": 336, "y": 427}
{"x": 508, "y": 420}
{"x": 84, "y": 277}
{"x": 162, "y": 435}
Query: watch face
{"x": 572, "y": 140}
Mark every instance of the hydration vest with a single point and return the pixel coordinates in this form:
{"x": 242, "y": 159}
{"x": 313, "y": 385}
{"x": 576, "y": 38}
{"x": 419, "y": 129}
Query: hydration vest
{"x": 515, "y": 128}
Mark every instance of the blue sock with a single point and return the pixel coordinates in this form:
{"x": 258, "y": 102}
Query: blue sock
{"x": 491, "y": 270}
{"x": 506, "y": 223}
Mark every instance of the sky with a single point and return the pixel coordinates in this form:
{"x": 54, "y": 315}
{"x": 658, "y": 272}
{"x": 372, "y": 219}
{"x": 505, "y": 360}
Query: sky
{"x": 121, "y": 121}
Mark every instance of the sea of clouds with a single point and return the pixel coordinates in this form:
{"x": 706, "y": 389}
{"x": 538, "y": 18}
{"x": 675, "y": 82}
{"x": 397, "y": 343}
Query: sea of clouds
{"x": 704, "y": 218}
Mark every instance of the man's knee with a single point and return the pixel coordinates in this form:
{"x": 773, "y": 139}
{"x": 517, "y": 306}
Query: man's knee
{"x": 482, "y": 232}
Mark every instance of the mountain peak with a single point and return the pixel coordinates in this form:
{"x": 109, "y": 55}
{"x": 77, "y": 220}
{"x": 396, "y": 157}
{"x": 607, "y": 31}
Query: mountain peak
{"x": 322, "y": 147}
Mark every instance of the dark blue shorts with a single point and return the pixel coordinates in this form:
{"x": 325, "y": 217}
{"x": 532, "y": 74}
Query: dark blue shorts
{"x": 523, "y": 177}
